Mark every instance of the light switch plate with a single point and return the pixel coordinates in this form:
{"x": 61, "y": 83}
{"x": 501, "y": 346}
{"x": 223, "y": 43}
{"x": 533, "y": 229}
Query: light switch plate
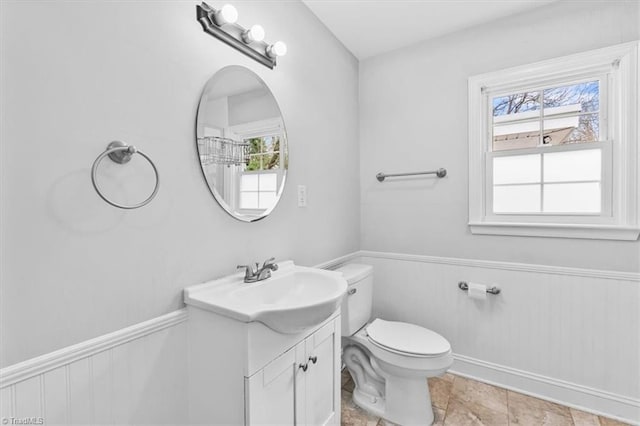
{"x": 302, "y": 196}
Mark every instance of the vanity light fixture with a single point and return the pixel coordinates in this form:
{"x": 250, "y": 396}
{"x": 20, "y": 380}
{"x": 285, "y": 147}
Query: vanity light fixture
{"x": 221, "y": 23}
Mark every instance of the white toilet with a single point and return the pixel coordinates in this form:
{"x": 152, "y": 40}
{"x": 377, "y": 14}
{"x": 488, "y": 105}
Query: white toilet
{"x": 389, "y": 361}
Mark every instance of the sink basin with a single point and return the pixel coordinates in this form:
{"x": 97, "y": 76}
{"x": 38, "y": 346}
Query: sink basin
{"x": 292, "y": 300}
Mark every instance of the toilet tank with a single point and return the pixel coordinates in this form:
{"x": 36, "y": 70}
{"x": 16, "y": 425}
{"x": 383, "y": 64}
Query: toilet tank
{"x": 356, "y": 305}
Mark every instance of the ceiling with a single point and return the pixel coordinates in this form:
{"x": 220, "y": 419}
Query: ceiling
{"x": 371, "y": 27}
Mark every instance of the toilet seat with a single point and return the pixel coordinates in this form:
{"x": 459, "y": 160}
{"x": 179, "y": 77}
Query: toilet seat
{"x": 407, "y": 339}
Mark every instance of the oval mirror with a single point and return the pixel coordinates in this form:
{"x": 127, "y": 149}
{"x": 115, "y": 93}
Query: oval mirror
{"x": 242, "y": 143}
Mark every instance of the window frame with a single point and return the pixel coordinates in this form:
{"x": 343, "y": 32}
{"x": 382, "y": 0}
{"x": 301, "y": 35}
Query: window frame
{"x": 616, "y": 67}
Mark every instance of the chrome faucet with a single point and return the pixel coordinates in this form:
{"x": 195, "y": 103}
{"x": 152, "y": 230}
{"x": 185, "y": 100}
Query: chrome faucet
{"x": 252, "y": 275}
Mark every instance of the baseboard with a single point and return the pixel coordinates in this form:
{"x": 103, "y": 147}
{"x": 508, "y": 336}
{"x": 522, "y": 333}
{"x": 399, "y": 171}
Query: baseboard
{"x": 53, "y": 360}
{"x": 573, "y": 395}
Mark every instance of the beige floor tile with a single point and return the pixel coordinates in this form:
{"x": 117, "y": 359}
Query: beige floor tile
{"x": 352, "y": 415}
{"x": 471, "y": 391}
{"x": 438, "y": 416}
{"x": 347, "y": 381}
{"x": 464, "y": 413}
{"x": 458, "y": 401}
{"x": 580, "y": 418}
{"x": 448, "y": 377}
{"x": 344, "y": 376}
{"x": 349, "y": 385}
{"x": 610, "y": 422}
{"x": 438, "y": 419}
{"x": 440, "y": 390}
{"x": 528, "y": 411}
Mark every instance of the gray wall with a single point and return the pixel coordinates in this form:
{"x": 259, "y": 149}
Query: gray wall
{"x": 77, "y": 75}
{"x": 413, "y": 116}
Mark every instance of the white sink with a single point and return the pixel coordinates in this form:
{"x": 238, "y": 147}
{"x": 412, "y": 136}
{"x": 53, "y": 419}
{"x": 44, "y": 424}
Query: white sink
{"x": 292, "y": 300}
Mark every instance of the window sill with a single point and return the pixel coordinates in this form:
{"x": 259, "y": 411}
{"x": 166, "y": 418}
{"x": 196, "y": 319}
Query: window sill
{"x": 554, "y": 230}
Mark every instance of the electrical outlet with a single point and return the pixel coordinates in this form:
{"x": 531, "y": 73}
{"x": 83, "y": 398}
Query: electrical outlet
{"x": 302, "y": 196}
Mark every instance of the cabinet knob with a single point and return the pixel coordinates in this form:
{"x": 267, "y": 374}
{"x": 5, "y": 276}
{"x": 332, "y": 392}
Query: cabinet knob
{"x": 313, "y": 359}
{"x": 304, "y": 366}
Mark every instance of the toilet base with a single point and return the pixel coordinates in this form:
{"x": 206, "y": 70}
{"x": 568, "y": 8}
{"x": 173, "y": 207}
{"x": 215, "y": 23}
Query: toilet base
{"x": 372, "y": 404}
{"x": 408, "y": 401}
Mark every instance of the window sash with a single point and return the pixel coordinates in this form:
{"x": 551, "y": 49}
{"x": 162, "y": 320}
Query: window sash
{"x": 603, "y": 79}
{"x": 256, "y": 191}
{"x": 606, "y": 214}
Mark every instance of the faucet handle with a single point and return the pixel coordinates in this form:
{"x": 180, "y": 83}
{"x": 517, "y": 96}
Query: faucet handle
{"x": 269, "y": 263}
{"x": 248, "y": 270}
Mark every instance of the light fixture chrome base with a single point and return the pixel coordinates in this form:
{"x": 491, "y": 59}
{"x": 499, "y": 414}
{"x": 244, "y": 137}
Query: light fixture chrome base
{"x": 231, "y": 34}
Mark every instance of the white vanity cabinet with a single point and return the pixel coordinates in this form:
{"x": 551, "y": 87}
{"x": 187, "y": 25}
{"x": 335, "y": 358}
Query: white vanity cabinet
{"x": 301, "y": 386}
{"x": 245, "y": 373}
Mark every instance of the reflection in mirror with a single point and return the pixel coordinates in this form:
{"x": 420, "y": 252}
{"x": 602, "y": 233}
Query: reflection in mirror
{"x": 242, "y": 143}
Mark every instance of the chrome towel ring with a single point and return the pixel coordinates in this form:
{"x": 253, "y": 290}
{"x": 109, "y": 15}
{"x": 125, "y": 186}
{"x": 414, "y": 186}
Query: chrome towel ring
{"x": 121, "y": 153}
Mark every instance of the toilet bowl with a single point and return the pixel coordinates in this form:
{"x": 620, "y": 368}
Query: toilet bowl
{"x": 389, "y": 361}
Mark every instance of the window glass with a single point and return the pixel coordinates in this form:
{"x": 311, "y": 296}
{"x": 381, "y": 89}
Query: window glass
{"x": 572, "y": 166}
{"x": 264, "y": 153}
{"x": 249, "y": 183}
{"x": 568, "y": 114}
{"x": 268, "y": 181}
{"x": 583, "y": 95}
{"x": 516, "y": 199}
{"x": 573, "y": 129}
{"x": 516, "y": 104}
{"x": 516, "y": 169}
{"x": 249, "y": 200}
{"x": 572, "y": 197}
{"x": 267, "y": 199}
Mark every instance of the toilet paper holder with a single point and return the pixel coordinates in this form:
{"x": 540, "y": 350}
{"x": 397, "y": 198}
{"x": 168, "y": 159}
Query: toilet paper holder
{"x": 462, "y": 285}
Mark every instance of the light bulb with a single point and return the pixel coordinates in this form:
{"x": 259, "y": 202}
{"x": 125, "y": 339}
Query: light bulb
{"x": 255, "y": 33}
{"x": 226, "y": 15}
{"x": 277, "y": 49}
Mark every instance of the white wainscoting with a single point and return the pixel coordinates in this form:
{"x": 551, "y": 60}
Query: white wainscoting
{"x": 563, "y": 334}
{"x": 132, "y": 376}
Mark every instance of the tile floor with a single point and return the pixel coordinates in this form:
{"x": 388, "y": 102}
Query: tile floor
{"x": 458, "y": 401}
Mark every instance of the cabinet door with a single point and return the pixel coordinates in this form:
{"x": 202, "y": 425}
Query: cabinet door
{"x": 270, "y": 392}
{"x": 323, "y": 377}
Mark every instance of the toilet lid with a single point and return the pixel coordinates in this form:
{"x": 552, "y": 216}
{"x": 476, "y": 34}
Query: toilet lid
{"x": 407, "y": 338}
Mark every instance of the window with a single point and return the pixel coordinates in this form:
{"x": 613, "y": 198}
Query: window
{"x": 259, "y": 181}
{"x": 554, "y": 147}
